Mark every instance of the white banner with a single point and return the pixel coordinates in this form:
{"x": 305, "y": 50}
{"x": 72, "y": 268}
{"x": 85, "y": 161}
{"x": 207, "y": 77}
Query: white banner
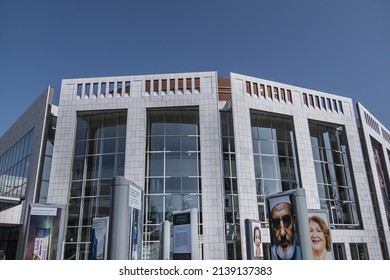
{"x": 194, "y": 269}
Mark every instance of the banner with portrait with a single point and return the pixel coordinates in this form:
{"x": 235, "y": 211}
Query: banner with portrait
{"x": 254, "y": 244}
{"x": 320, "y": 234}
{"x": 288, "y": 224}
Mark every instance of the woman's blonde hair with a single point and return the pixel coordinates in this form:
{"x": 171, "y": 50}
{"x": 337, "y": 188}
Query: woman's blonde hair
{"x": 325, "y": 229}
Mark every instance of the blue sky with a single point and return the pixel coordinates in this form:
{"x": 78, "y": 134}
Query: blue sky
{"x": 340, "y": 47}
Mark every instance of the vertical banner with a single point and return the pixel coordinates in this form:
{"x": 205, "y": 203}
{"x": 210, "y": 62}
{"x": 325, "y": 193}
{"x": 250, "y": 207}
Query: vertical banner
{"x": 185, "y": 235}
{"x": 135, "y": 214}
{"x": 254, "y": 244}
{"x": 44, "y": 232}
{"x": 382, "y": 181}
{"x": 320, "y": 238}
{"x": 288, "y": 219}
{"x": 99, "y": 238}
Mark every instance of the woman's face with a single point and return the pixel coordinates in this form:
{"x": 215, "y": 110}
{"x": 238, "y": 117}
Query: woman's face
{"x": 317, "y": 236}
{"x": 257, "y": 237}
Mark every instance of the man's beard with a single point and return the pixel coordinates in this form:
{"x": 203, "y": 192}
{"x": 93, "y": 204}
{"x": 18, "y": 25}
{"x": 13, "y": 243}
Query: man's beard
{"x": 285, "y": 253}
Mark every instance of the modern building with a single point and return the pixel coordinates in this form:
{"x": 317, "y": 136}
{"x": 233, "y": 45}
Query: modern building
{"x": 375, "y": 140}
{"x": 221, "y": 145}
{"x": 25, "y": 160}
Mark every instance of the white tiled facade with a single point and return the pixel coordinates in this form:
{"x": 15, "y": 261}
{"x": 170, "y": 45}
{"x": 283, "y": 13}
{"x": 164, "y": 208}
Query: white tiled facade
{"x": 136, "y": 103}
{"x": 301, "y": 113}
{"x": 33, "y": 119}
{"x": 138, "y": 94}
{"x": 373, "y": 131}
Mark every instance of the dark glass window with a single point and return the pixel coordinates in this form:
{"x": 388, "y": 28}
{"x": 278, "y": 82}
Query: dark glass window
{"x": 274, "y": 155}
{"x": 95, "y": 89}
{"x": 79, "y": 90}
{"x": 98, "y": 157}
{"x": 14, "y": 165}
{"x": 334, "y": 178}
{"x": 231, "y": 209}
{"x": 172, "y": 168}
{"x": 111, "y": 86}
{"x": 267, "y": 251}
{"x": 127, "y": 87}
{"x": 119, "y": 88}
{"x": 87, "y": 89}
{"x": 103, "y": 89}
{"x": 339, "y": 251}
{"x": 359, "y": 251}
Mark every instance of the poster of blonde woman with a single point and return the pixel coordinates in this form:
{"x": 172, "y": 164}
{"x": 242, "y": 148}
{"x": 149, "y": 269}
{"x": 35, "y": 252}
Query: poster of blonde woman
{"x": 320, "y": 235}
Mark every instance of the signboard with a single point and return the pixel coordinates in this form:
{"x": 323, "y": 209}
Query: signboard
{"x": 44, "y": 232}
{"x": 185, "y": 235}
{"x": 99, "y": 238}
{"x": 135, "y": 214}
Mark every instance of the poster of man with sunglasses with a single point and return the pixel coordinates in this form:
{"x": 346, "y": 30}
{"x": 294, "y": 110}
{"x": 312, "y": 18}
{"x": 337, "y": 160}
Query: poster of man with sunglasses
{"x": 284, "y": 239}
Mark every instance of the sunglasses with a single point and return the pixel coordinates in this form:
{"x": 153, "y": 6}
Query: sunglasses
{"x": 286, "y": 219}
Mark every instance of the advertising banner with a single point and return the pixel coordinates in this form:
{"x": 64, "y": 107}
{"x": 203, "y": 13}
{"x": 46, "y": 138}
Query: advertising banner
{"x": 135, "y": 214}
{"x": 254, "y": 245}
{"x": 320, "y": 235}
{"x": 288, "y": 223}
{"x": 382, "y": 180}
{"x": 44, "y": 232}
{"x": 185, "y": 235}
{"x": 99, "y": 238}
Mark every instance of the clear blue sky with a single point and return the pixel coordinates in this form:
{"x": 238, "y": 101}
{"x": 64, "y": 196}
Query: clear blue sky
{"x": 340, "y": 47}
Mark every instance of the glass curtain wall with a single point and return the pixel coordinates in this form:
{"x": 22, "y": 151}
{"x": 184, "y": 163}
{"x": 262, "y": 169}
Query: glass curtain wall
{"x": 333, "y": 171}
{"x": 49, "y": 146}
{"x": 232, "y": 215}
{"x": 99, "y": 155}
{"x": 173, "y": 180}
{"x": 339, "y": 251}
{"x": 14, "y": 167}
{"x": 275, "y": 156}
